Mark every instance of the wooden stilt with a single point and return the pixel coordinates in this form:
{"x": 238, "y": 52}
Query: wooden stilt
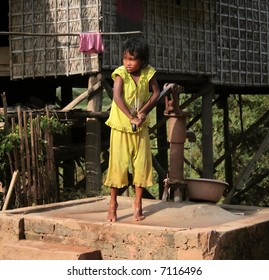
{"x": 93, "y": 141}
{"x": 207, "y": 134}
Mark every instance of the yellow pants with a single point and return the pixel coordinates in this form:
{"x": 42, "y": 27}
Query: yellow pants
{"x": 129, "y": 150}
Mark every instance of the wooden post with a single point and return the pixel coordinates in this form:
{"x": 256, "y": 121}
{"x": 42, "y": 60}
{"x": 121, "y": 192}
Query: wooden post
{"x": 23, "y": 197}
{"x": 28, "y": 160}
{"x": 10, "y": 189}
{"x": 93, "y": 142}
{"x": 68, "y": 165}
{"x": 162, "y": 156}
{"x": 33, "y": 159}
{"x": 226, "y": 132}
{"x": 207, "y": 136}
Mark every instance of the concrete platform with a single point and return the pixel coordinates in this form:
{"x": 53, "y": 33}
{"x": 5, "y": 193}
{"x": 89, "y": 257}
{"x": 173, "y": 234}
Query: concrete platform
{"x": 188, "y": 230}
{"x": 42, "y": 250}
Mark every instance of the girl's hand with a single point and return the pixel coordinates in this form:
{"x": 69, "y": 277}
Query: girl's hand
{"x": 136, "y": 122}
{"x": 141, "y": 116}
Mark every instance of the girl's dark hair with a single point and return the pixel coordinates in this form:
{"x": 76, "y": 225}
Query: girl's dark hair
{"x": 138, "y": 47}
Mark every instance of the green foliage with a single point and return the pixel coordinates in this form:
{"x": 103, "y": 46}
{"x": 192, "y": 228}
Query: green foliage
{"x": 240, "y": 120}
{"x": 10, "y": 140}
{"x": 54, "y": 125}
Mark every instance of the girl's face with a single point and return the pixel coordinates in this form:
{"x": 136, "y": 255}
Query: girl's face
{"x": 131, "y": 62}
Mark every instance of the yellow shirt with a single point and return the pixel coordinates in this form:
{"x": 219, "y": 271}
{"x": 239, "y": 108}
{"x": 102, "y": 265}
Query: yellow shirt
{"x": 134, "y": 96}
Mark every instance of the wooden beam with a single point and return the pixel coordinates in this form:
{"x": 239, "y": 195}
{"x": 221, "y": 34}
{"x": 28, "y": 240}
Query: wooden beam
{"x": 86, "y": 94}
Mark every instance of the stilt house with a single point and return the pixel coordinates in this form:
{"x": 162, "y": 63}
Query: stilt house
{"x": 210, "y": 47}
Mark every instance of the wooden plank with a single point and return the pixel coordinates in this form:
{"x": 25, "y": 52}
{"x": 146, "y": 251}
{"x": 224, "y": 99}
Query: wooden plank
{"x": 86, "y": 94}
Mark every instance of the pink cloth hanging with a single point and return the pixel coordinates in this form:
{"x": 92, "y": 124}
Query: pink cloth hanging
{"x": 91, "y": 42}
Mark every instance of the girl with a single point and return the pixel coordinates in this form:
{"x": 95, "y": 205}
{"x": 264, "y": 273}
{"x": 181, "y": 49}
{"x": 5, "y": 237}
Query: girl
{"x": 129, "y": 139}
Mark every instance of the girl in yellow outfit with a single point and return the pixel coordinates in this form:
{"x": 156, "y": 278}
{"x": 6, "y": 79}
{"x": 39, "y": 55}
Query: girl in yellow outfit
{"x": 129, "y": 139}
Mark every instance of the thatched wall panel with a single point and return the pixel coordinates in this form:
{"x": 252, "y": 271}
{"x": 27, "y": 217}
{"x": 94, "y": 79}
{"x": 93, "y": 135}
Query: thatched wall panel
{"x": 176, "y": 33}
{"x": 52, "y": 55}
{"x": 243, "y": 42}
{"x": 226, "y": 40}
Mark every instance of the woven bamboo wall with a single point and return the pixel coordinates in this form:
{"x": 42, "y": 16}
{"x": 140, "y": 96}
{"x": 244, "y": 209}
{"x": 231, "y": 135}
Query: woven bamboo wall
{"x": 226, "y": 40}
{"x": 181, "y": 34}
{"x": 38, "y": 56}
{"x": 182, "y": 38}
{"x": 112, "y": 55}
{"x": 242, "y": 28}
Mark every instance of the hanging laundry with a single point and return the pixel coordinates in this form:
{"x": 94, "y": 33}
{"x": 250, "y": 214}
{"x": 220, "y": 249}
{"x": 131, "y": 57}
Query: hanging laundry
{"x": 91, "y": 42}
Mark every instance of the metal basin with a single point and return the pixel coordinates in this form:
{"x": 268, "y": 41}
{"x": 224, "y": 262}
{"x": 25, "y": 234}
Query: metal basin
{"x": 202, "y": 189}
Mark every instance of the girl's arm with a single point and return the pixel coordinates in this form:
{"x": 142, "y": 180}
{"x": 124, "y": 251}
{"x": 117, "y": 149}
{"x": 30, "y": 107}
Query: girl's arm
{"x": 117, "y": 97}
{"x": 151, "y": 102}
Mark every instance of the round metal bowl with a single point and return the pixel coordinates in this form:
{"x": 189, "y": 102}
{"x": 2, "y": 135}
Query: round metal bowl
{"x": 202, "y": 189}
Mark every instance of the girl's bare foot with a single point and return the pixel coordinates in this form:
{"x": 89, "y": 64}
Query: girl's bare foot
{"x": 138, "y": 216}
{"x": 112, "y": 213}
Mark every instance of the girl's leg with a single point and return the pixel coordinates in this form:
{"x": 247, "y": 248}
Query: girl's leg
{"x": 117, "y": 169}
{"x": 113, "y": 205}
{"x": 138, "y": 215}
{"x": 142, "y": 170}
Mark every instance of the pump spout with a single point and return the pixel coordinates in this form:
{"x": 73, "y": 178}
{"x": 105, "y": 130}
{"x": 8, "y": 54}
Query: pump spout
{"x": 190, "y": 135}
